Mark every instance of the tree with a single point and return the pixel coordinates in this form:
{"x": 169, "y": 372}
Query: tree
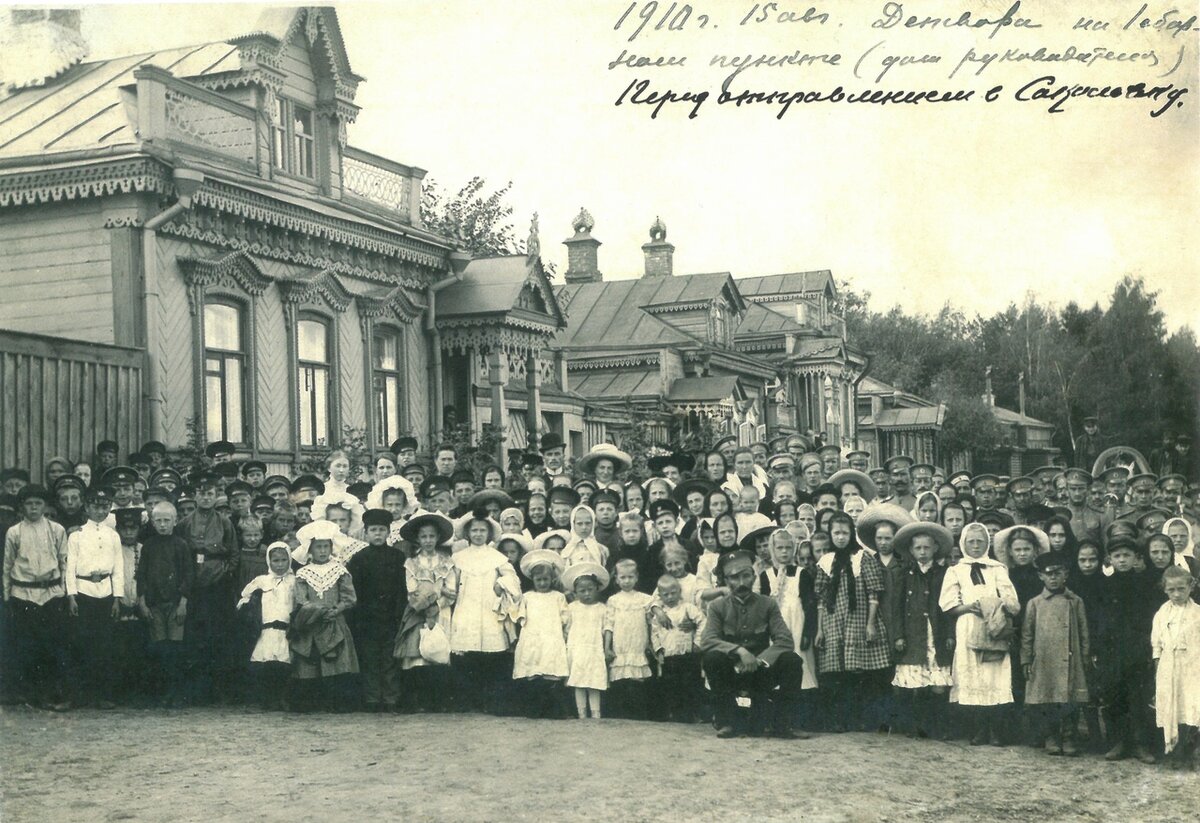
{"x": 480, "y": 221}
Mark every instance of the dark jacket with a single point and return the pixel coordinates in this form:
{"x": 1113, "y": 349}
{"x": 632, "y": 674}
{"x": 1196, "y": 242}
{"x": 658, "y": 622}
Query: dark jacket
{"x": 755, "y": 624}
{"x": 918, "y": 611}
{"x": 165, "y": 570}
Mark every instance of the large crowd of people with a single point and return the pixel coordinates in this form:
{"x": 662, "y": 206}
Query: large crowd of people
{"x": 776, "y": 588}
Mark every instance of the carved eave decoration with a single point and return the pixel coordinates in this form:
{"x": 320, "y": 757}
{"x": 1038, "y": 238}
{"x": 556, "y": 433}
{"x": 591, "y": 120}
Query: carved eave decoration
{"x": 316, "y": 287}
{"x": 539, "y": 281}
{"x": 233, "y": 271}
{"x": 51, "y": 185}
{"x": 512, "y": 341}
{"x": 398, "y": 304}
{"x": 612, "y": 362}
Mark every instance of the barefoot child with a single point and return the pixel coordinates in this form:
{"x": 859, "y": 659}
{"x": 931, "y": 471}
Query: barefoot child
{"x": 627, "y": 642}
{"x": 588, "y": 670}
{"x": 270, "y": 596}
{"x": 540, "y": 659}
{"x": 1175, "y": 641}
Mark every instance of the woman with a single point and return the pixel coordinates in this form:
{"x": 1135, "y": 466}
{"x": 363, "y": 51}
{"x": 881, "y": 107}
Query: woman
{"x": 493, "y": 477}
{"x": 979, "y": 594}
{"x": 715, "y": 467}
{"x": 338, "y": 467}
{"x": 852, "y": 647}
{"x": 385, "y": 466}
{"x": 56, "y": 468}
{"x": 83, "y": 470}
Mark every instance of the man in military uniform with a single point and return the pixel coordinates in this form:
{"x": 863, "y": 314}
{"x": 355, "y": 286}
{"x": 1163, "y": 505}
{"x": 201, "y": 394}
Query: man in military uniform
{"x": 781, "y": 467}
{"x": 1043, "y": 484}
{"x": 1141, "y": 496}
{"x": 987, "y": 498}
{"x": 1089, "y": 444}
{"x": 727, "y": 445}
{"x": 883, "y": 482}
{"x": 797, "y": 447}
{"x": 1115, "y": 483}
{"x": 1085, "y": 520}
{"x": 859, "y": 460}
{"x": 831, "y": 460}
{"x": 1026, "y": 512}
{"x": 898, "y": 469}
{"x": 922, "y": 477}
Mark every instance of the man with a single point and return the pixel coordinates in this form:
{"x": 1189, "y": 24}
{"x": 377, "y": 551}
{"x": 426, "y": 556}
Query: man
{"x": 554, "y": 453}
{"x": 1085, "y": 521}
{"x": 1141, "y": 496}
{"x": 1089, "y": 444}
{"x": 859, "y": 460}
{"x": 1184, "y": 460}
{"x": 254, "y": 472}
{"x": 1025, "y": 511}
{"x": 1116, "y": 480}
{"x": 760, "y": 452}
{"x": 445, "y": 461}
{"x": 106, "y": 455}
{"x": 69, "y": 490}
{"x": 157, "y": 454}
{"x": 405, "y": 449}
{"x": 922, "y": 477}
{"x": 987, "y": 498}
{"x": 1160, "y": 458}
{"x": 831, "y": 460}
{"x": 169, "y": 479}
{"x": 812, "y": 472}
{"x": 961, "y": 481}
{"x": 35, "y": 567}
{"x": 797, "y": 447}
{"x": 726, "y": 445}
{"x": 899, "y": 469}
{"x": 781, "y": 467}
{"x": 883, "y": 482}
{"x": 220, "y": 451}
{"x": 743, "y": 475}
{"x": 748, "y": 646}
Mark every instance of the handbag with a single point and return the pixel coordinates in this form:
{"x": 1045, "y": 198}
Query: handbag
{"x": 435, "y": 645}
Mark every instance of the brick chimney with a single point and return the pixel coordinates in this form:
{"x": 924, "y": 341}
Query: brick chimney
{"x": 582, "y": 265}
{"x": 658, "y": 251}
{"x": 39, "y": 45}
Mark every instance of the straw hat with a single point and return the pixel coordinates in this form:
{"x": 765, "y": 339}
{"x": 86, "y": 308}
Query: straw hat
{"x": 753, "y": 525}
{"x": 541, "y": 539}
{"x": 460, "y": 526}
{"x": 868, "y": 490}
{"x": 443, "y": 524}
{"x": 875, "y": 514}
{"x": 577, "y": 570}
{"x": 519, "y": 538}
{"x": 541, "y": 557}
{"x": 940, "y": 534}
{"x": 620, "y": 459}
{"x": 1004, "y": 537}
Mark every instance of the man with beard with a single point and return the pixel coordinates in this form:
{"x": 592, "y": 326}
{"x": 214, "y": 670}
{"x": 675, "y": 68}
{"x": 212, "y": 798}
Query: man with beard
{"x": 898, "y": 469}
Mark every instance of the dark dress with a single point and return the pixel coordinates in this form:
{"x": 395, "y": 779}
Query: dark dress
{"x": 1124, "y": 619}
{"x": 649, "y": 567}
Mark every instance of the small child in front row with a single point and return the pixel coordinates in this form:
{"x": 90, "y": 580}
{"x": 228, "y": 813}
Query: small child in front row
{"x": 588, "y": 670}
{"x": 1054, "y": 656}
{"x": 678, "y": 653}
{"x": 271, "y": 660}
{"x": 1175, "y": 644}
{"x": 540, "y": 659}
{"x": 627, "y": 642}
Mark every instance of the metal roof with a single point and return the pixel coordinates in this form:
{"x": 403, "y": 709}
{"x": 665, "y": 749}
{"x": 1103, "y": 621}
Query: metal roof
{"x": 615, "y": 385}
{"x": 762, "y": 319}
{"x": 797, "y": 282}
{"x": 1009, "y": 416}
{"x": 921, "y": 417}
{"x": 702, "y": 389}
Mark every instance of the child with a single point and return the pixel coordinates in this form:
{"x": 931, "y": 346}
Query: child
{"x": 627, "y": 641}
{"x": 283, "y": 524}
{"x": 1087, "y": 580}
{"x": 252, "y": 557}
{"x": 1054, "y": 648}
{"x": 706, "y": 564}
{"x": 514, "y": 546}
{"x": 792, "y": 586}
{"x": 270, "y": 598}
{"x": 820, "y": 545}
{"x": 430, "y": 564}
{"x": 541, "y": 655}
{"x": 633, "y": 545}
{"x": 1175, "y": 644}
{"x": 321, "y": 643}
{"x": 582, "y": 547}
{"x": 923, "y": 633}
{"x": 95, "y": 578}
{"x": 678, "y": 653}
{"x": 130, "y": 631}
{"x": 378, "y": 572}
{"x": 1017, "y": 547}
{"x": 164, "y": 579}
{"x": 426, "y": 680}
{"x": 588, "y": 669}
{"x": 978, "y": 593}
{"x": 1126, "y": 615}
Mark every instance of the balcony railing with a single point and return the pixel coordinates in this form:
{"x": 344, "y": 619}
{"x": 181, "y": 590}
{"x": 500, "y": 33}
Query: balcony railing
{"x": 382, "y": 182}
{"x": 194, "y": 119}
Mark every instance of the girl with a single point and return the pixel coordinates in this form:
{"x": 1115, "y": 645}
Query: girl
{"x": 252, "y": 559}
{"x": 1017, "y": 547}
{"x": 338, "y": 466}
{"x": 977, "y": 592}
{"x": 394, "y": 493}
{"x": 954, "y": 517}
{"x": 854, "y": 507}
{"x": 1061, "y": 536}
{"x": 706, "y": 565}
{"x": 1160, "y": 553}
{"x": 924, "y": 640}
{"x": 635, "y": 498}
{"x": 513, "y": 522}
{"x": 792, "y": 586}
{"x": 675, "y": 563}
{"x": 1087, "y": 580}
{"x": 851, "y": 640}
{"x": 627, "y": 641}
{"x": 541, "y": 654}
{"x": 478, "y": 640}
{"x": 554, "y": 540}
{"x": 785, "y": 512}
{"x": 632, "y": 545}
{"x": 807, "y": 515}
{"x": 588, "y": 669}
{"x": 322, "y": 648}
{"x": 537, "y": 523}
{"x": 928, "y": 508}
{"x": 1175, "y": 644}
{"x": 1180, "y": 533}
{"x": 583, "y": 547}
{"x": 967, "y": 501}
{"x": 819, "y": 545}
{"x": 493, "y": 478}
{"x": 271, "y": 659}
{"x": 429, "y": 564}
{"x": 514, "y": 547}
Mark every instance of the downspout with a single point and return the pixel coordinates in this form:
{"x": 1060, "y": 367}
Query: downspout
{"x": 458, "y": 264}
{"x": 187, "y": 183}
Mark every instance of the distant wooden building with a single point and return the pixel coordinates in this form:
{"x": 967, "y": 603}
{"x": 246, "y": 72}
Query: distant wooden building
{"x": 892, "y": 422}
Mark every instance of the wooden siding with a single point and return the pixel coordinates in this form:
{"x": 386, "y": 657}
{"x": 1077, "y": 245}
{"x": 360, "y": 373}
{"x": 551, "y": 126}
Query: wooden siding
{"x": 299, "y": 83}
{"x": 174, "y": 348}
{"x": 56, "y": 271}
{"x": 61, "y": 397}
{"x": 416, "y": 393}
{"x": 272, "y": 372}
{"x": 350, "y": 371}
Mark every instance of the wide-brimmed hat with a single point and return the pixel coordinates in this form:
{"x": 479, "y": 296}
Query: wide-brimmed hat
{"x": 602, "y": 451}
{"x": 460, "y": 526}
{"x": 866, "y": 486}
{"x": 680, "y": 460}
{"x": 443, "y": 524}
{"x": 695, "y": 484}
{"x": 877, "y": 513}
{"x": 545, "y": 536}
{"x": 540, "y": 557}
{"x": 1004, "y": 537}
{"x": 577, "y": 570}
{"x": 520, "y": 538}
{"x": 902, "y": 544}
{"x": 753, "y": 525}
{"x": 483, "y": 497}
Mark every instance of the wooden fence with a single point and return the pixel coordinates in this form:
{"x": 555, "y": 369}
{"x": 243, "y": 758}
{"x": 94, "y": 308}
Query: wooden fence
{"x": 61, "y": 397}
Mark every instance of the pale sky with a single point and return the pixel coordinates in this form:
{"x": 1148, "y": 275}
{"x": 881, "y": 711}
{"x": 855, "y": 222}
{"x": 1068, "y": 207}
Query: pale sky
{"x": 979, "y": 205}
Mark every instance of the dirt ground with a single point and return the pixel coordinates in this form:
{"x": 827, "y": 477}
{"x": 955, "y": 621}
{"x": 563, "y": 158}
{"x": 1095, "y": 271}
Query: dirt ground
{"x": 232, "y": 764}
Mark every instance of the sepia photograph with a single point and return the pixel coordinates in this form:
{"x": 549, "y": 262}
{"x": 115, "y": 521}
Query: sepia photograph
{"x": 567, "y": 410}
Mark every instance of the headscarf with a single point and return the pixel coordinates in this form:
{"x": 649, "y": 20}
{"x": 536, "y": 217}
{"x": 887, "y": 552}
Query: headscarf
{"x": 62, "y": 461}
{"x": 708, "y": 499}
{"x": 1072, "y": 545}
{"x": 512, "y": 510}
{"x": 937, "y": 503}
{"x": 584, "y": 549}
{"x": 841, "y": 567}
{"x": 976, "y": 563}
{"x": 375, "y": 498}
{"x": 716, "y": 524}
{"x": 270, "y": 580}
{"x": 1189, "y": 550}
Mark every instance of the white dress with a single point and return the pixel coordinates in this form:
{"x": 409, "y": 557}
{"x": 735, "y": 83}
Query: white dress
{"x": 477, "y": 624}
{"x": 585, "y": 647}
{"x": 977, "y": 683}
{"x": 786, "y": 591}
{"x": 625, "y": 617}
{"x": 541, "y": 649}
{"x": 1175, "y": 641}
{"x": 277, "y": 602}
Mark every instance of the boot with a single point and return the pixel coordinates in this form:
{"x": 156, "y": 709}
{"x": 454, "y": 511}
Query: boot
{"x": 1117, "y": 737}
{"x": 724, "y": 709}
{"x": 1069, "y": 749}
{"x": 785, "y": 715}
{"x": 978, "y": 725}
{"x": 1091, "y": 716}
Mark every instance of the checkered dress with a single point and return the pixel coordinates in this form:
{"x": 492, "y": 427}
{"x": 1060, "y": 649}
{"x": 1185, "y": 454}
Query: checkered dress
{"x": 845, "y": 647}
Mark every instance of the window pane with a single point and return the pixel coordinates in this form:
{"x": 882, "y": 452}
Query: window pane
{"x": 312, "y": 341}
{"x": 233, "y": 400}
{"x": 392, "y": 405}
{"x": 213, "y": 399}
{"x": 302, "y": 120}
{"x": 306, "y": 400}
{"x": 385, "y": 352}
{"x": 321, "y": 401}
{"x": 222, "y": 327}
{"x": 379, "y": 399}
{"x": 212, "y": 364}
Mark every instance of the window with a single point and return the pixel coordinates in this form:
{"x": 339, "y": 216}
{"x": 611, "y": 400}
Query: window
{"x": 313, "y": 349}
{"x": 292, "y": 138}
{"x": 224, "y": 371}
{"x": 385, "y": 354}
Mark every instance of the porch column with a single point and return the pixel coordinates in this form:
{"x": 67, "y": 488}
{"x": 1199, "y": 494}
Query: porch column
{"x": 533, "y": 385}
{"x": 497, "y": 377}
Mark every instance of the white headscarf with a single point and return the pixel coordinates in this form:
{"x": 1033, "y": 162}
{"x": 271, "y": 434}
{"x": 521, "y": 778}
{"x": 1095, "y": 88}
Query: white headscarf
{"x": 375, "y": 498}
{"x": 584, "y": 549}
{"x": 1189, "y": 550}
{"x": 962, "y": 546}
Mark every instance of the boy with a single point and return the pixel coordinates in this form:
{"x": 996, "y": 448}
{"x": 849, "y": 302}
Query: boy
{"x": 35, "y": 565}
{"x": 164, "y": 580}
{"x": 606, "y": 503}
{"x": 464, "y": 486}
{"x": 379, "y": 582}
{"x": 252, "y": 560}
{"x": 95, "y": 577}
{"x": 283, "y": 524}
{"x": 436, "y": 493}
{"x": 130, "y": 633}
{"x": 1054, "y": 656}
{"x": 211, "y": 639}
{"x": 680, "y": 694}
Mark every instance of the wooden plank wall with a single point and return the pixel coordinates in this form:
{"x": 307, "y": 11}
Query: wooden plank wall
{"x": 61, "y": 397}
